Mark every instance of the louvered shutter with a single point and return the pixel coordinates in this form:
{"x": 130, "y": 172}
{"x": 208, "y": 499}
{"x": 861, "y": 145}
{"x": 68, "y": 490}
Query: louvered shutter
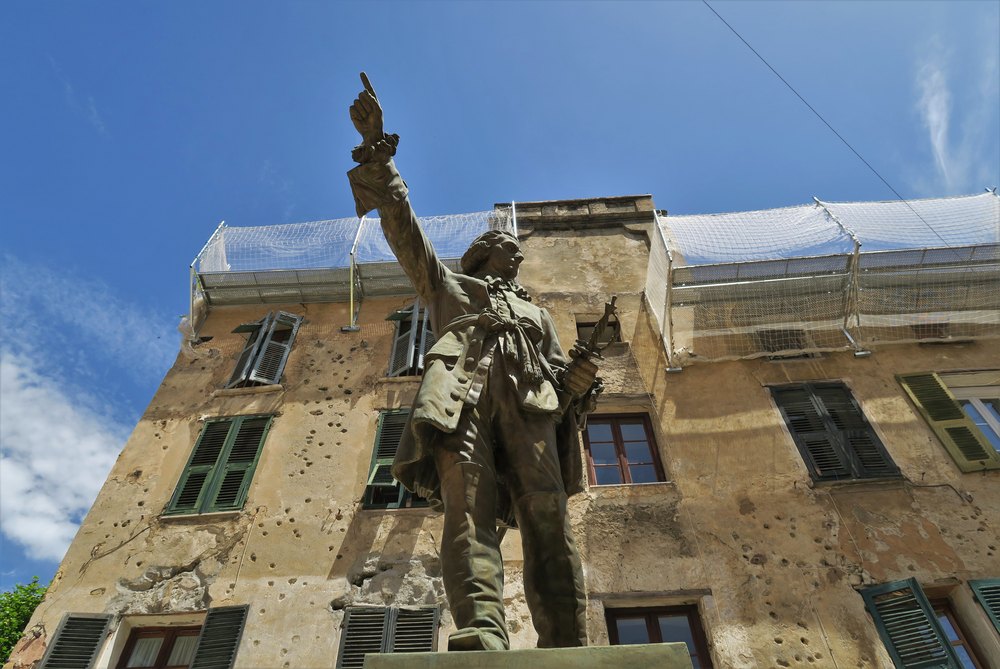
{"x": 255, "y": 335}
{"x": 961, "y": 438}
{"x": 858, "y": 437}
{"x": 404, "y": 343}
{"x": 76, "y": 642}
{"x": 987, "y": 591}
{"x": 427, "y": 340}
{"x": 274, "y": 350}
{"x": 818, "y": 447}
{"x": 908, "y": 626}
{"x": 240, "y": 461}
{"x": 364, "y": 632}
{"x": 415, "y": 630}
{"x": 196, "y": 480}
{"x": 391, "y": 425}
{"x": 220, "y": 638}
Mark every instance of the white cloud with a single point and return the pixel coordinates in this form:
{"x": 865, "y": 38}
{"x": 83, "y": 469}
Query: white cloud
{"x": 88, "y": 110}
{"x": 56, "y": 453}
{"x": 76, "y": 364}
{"x": 959, "y": 121}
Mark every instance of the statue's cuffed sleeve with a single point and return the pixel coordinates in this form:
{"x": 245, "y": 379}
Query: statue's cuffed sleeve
{"x": 376, "y": 184}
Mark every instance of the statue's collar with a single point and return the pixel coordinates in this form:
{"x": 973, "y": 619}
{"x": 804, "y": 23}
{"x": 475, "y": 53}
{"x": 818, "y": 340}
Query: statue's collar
{"x": 497, "y": 284}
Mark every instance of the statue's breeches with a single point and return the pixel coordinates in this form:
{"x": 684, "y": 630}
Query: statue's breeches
{"x": 495, "y": 439}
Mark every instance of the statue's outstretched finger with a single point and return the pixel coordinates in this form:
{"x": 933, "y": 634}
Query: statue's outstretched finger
{"x": 368, "y": 85}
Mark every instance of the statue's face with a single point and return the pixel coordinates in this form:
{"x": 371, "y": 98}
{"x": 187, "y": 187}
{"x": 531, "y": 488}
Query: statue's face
{"x": 504, "y": 259}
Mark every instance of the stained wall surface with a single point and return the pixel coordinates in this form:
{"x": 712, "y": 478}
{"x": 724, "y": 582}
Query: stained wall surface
{"x": 771, "y": 560}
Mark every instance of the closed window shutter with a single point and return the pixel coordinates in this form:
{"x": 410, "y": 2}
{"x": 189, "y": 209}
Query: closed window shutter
{"x": 987, "y": 591}
{"x": 220, "y": 638}
{"x": 391, "y": 425}
{"x": 364, "y": 632}
{"x": 415, "y": 630}
{"x": 274, "y": 350}
{"x": 240, "y": 463}
{"x": 401, "y": 359}
{"x": 855, "y": 432}
{"x": 196, "y": 480}
{"x": 811, "y": 434}
{"x": 961, "y": 438}
{"x": 908, "y": 627}
{"x": 76, "y": 642}
{"x": 255, "y": 335}
{"x": 427, "y": 340}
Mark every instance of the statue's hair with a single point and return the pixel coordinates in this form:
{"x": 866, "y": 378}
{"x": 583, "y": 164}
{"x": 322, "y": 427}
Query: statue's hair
{"x": 479, "y": 250}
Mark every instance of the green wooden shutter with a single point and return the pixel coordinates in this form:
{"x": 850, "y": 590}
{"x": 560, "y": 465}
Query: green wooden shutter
{"x": 255, "y": 335}
{"x": 236, "y": 471}
{"x": 427, "y": 340}
{"x": 818, "y": 447}
{"x": 391, "y": 425}
{"x": 958, "y": 434}
{"x": 76, "y": 642}
{"x": 856, "y": 434}
{"x": 908, "y": 627}
{"x": 415, "y": 630}
{"x": 364, "y": 632}
{"x": 197, "y": 478}
{"x": 987, "y": 591}
{"x": 404, "y": 343}
{"x": 274, "y": 350}
{"x": 220, "y": 638}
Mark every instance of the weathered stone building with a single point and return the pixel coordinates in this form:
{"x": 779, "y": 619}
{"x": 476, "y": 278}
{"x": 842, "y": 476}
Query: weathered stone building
{"x": 794, "y": 463}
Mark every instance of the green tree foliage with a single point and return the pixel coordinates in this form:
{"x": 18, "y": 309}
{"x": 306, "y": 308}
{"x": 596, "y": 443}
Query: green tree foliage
{"x": 16, "y": 607}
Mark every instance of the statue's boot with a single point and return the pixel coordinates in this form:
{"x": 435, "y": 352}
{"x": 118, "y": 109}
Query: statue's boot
{"x": 470, "y": 559}
{"x": 553, "y": 575}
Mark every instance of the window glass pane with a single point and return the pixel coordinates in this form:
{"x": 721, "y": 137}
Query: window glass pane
{"x": 183, "y": 651}
{"x": 637, "y": 452}
{"x": 599, "y": 431}
{"x": 608, "y": 475}
{"x": 973, "y": 412}
{"x": 603, "y": 454}
{"x": 993, "y": 407}
{"x": 963, "y": 658}
{"x": 632, "y": 630}
{"x": 643, "y": 473}
{"x": 144, "y": 653}
{"x": 676, "y": 628}
{"x": 947, "y": 627}
{"x": 633, "y": 431}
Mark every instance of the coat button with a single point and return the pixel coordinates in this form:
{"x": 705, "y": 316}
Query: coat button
{"x": 470, "y": 360}
{"x": 449, "y": 412}
{"x": 455, "y": 396}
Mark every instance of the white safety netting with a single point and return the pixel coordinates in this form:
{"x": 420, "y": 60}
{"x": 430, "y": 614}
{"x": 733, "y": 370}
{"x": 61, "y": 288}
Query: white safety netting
{"x": 321, "y": 260}
{"x": 826, "y": 276}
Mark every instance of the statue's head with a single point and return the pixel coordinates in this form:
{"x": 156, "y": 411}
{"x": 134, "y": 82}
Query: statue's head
{"x": 494, "y": 253}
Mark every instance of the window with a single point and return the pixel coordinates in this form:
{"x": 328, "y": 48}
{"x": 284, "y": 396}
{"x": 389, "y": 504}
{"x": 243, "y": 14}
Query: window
{"x": 915, "y": 632}
{"x": 218, "y": 475}
{"x": 77, "y": 641}
{"x": 612, "y": 333}
{"x": 784, "y": 344}
{"x": 660, "y": 625}
{"x": 160, "y": 648}
{"x": 376, "y": 629}
{"x": 621, "y": 449}
{"x": 832, "y": 435}
{"x": 382, "y": 490}
{"x": 963, "y": 410}
{"x": 414, "y": 338}
{"x": 269, "y": 341}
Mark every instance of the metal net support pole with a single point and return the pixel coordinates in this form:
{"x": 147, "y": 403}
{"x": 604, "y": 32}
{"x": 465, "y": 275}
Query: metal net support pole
{"x": 513, "y": 217}
{"x": 852, "y": 287}
{"x": 352, "y": 279}
{"x": 666, "y": 323}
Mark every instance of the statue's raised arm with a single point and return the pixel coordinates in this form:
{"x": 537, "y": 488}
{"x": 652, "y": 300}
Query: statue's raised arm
{"x": 376, "y": 184}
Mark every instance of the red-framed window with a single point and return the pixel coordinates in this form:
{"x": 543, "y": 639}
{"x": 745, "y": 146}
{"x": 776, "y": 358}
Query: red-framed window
{"x": 663, "y": 624}
{"x": 621, "y": 449}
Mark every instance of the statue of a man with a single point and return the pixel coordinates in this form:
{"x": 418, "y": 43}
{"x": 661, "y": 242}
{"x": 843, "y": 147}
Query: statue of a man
{"x": 492, "y": 436}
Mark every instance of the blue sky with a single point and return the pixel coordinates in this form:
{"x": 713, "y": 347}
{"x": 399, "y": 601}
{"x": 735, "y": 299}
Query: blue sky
{"x": 132, "y": 128}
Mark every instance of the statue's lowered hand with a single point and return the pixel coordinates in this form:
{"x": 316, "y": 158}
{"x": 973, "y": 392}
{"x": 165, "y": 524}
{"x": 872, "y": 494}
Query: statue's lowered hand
{"x": 366, "y": 113}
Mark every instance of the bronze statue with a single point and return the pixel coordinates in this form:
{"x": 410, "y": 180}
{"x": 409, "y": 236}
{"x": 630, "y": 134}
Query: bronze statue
{"x": 493, "y": 435}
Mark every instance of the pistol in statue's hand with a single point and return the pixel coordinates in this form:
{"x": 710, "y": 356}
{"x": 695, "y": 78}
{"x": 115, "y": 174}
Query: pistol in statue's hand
{"x": 366, "y": 113}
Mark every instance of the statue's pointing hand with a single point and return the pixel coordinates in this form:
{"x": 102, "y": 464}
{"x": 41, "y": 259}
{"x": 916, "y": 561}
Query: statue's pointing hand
{"x": 366, "y": 113}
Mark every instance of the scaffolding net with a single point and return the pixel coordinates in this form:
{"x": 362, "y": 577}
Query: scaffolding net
{"x": 827, "y": 276}
{"x": 320, "y": 260}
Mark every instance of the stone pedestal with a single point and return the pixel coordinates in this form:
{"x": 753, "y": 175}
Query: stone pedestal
{"x": 646, "y": 656}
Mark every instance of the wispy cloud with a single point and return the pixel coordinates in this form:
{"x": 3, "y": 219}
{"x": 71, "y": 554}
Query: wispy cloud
{"x": 72, "y": 357}
{"x": 86, "y": 108}
{"x": 960, "y": 134}
{"x": 279, "y": 185}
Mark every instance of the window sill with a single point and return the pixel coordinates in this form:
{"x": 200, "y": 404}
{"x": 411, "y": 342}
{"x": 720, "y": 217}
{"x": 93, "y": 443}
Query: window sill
{"x": 188, "y": 518}
{"x": 408, "y": 509}
{"x": 888, "y": 482}
{"x": 401, "y": 379}
{"x": 629, "y": 491}
{"x": 249, "y": 390}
